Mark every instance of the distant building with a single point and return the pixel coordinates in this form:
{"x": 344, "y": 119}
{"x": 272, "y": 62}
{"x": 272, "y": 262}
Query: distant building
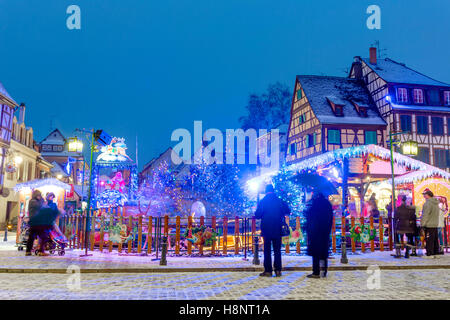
{"x": 409, "y": 101}
{"x": 67, "y": 165}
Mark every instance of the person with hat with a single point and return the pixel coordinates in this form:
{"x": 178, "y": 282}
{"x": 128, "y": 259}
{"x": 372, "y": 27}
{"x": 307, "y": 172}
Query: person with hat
{"x": 404, "y": 224}
{"x": 272, "y": 211}
{"x": 430, "y": 223}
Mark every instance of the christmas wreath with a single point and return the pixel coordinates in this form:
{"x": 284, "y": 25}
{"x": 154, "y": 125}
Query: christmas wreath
{"x": 201, "y": 235}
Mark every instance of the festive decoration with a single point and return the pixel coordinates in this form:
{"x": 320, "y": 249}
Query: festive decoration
{"x": 115, "y": 151}
{"x": 111, "y": 198}
{"x": 362, "y": 233}
{"x": 119, "y": 233}
{"x": 293, "y": 237}
{"x": 10, "y": 167}
{"x": 116, "y": 183}
{"x": 201, "y": 235}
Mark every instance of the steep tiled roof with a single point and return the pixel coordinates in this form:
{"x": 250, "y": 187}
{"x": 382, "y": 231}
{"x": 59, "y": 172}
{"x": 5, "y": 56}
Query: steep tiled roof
{"x": 6, "y": 94}
{"x": 318, "y": 89}
{"x": 392, "y": 71}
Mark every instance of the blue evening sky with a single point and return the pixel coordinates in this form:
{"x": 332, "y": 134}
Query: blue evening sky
{"x": 146, "y": 67}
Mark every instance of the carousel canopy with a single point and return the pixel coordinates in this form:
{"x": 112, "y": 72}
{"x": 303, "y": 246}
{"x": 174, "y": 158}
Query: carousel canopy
{"x": 38, "y": 183}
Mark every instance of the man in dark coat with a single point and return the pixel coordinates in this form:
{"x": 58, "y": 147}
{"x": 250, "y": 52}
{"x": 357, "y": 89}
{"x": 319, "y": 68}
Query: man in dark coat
{"x": 40, "y": 225}
{"x": 319, "y": 218}
{"x": 405, "y": 223}
{"x": 35, "y": 203}
{"x": 271, "y": 210}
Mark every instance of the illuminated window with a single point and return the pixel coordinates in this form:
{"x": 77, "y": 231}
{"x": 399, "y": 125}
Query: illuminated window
{"x": 418, "y": 96}
{"x": 447, "y": 98}
{"x": 402, "y": 95}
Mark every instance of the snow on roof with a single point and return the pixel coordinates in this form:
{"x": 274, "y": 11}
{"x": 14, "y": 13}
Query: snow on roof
{"x": 38, "y": 183}
{"x": 392, "y": 71}
{"x": 342, "y": 91}
{"x": 420, "y": 108}
{"x": 5, "y": 93}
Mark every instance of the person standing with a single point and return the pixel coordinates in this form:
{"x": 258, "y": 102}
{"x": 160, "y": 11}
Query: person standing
{"x": 272, "y": 211}
{"x": 35, "y": 204}
{"x": 405, "y": 224}
{"x": 430, "y": 223}
{"x": 443, "y": 208}
{"x": 41, "y": 224}
{"x": 319, "y": 219}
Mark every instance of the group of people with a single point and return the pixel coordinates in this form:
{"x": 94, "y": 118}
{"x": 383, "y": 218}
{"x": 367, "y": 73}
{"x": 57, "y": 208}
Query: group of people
{"x": 432, "y": 225}
{"x": 319, "y": 218}
{"x": 42, "y": 215}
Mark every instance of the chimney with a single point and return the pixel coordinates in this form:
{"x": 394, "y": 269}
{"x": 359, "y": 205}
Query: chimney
{"x": 373, "y": 55}
{"x": 357, "y": 68}
{"x": 22, "y": 113}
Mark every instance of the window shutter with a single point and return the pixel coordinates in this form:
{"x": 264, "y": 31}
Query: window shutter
{"x": 299, "y": 94}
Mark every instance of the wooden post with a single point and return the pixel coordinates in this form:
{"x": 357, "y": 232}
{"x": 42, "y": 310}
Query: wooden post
{"x": 381, "y": 233}
{"x": 298, "y": 226}
{"x": 189, "y": 246}
{"x": 225, "y": 235}
{"x": 83, "y": 242}
{"x": 102, "y": 233}
{"x": 352, "y": 219}
{"x": 253, "y": 233}
{"x": 363, "y": 245}
{"x": 236, "y": 235}
{"x": 139, "y": 248}
{"x": 92, "y": 236}
{"x": 372, "y": 242}
{"x": 149, "y": 235}
{"x": 111, "y": 221}
{"x": 333, "y": 235}
{"x": 202, "y": 222}
{"x": 213, "y": 226}
{"x": 390, "y": 232}
{"x": 343, "y": 231}
{"x": 177, "y": 235}
{"x": 286, "y": 218}
{"x": 130, "y": 226}
{"x": 120, "y": 220}
{"x": 77, "y": 232}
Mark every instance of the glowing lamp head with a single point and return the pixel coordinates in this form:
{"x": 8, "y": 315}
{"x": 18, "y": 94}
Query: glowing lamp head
{"x": 388, "y": 98}
{"x": 75, "y": 145}
{"x": 410, "y": 148}
{"x": 59, "y": 176}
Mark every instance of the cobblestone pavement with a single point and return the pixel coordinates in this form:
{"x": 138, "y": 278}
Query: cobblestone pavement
{"x": 395, "y": 284}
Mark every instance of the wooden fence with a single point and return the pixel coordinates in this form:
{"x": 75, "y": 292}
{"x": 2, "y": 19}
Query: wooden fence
{"x": 110, "y": 231}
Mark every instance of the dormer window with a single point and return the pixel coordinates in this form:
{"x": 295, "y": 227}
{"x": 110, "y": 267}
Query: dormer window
{"x": 299, "y": 94}
{"x": 402, "y": 95}
{"x": 361, "y": 109}
{"x": 337, "y": 106}
{"x": 447, "y": 98}
{"x": 418, "y": 96}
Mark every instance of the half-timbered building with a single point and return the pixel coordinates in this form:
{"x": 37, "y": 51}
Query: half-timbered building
{"x": 411, "y": 103}
{"x": 331, "y": 113}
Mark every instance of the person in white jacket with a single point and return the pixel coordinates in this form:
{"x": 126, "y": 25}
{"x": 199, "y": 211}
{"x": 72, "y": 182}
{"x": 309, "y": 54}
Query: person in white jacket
{"x": 443, "y": 209}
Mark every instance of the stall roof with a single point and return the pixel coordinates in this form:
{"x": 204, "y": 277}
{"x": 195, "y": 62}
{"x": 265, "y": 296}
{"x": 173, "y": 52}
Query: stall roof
{"x": 346, "y": 153}
{"x": 37, "y": 183}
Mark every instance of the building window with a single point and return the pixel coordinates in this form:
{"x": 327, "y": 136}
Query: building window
{"x": 422, "y": 125}
{"x": 447, "y": 157}
{"x": 447, "y": 98}
{"x": 370, "y": 137}
{"x": 402, "y": 95}
{"x": 293, "y": 149}
{"x": 418, "y": 96}
{"x": 339, "y": 110}
{"x": 405, "y": 123}
{"x": 310, "y": 140}
{"x": 334, "y": 136}
{"x": 299, "y": 94}
{"x": 439, "y": 158}
{"x": 301, "y": 119}
{"x": 437, "y": 125}
{"x": 423, "y": 155}
{"x": 433, "y": 97}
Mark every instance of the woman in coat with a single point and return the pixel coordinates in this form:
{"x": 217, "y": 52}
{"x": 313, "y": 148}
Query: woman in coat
{"x": 319, "y": 218}
{"x": 405, "y": 224}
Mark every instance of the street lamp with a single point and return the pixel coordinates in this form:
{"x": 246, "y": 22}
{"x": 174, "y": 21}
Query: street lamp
{"x": 75, "y": 145}
{"x": 410, "y": 148}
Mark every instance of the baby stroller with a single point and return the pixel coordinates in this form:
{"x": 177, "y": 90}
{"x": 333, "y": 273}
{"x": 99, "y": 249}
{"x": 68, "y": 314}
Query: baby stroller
{"x": 57, "y": 244}
{"x": 24, "y": 234}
